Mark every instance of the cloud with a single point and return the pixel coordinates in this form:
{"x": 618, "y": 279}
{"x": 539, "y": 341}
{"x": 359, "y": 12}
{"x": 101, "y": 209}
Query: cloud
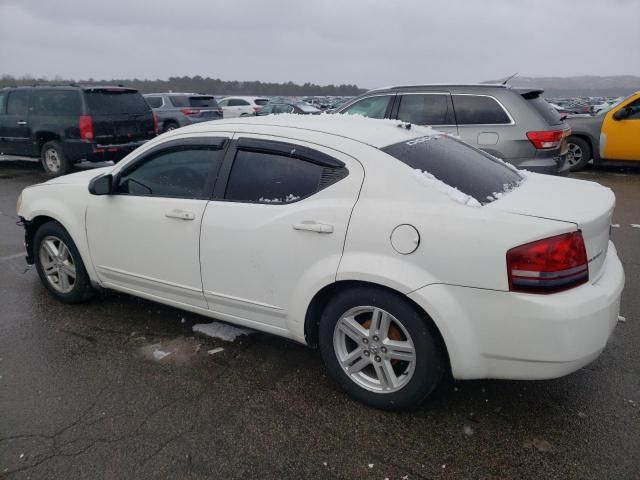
{"x": 324, "y": 41}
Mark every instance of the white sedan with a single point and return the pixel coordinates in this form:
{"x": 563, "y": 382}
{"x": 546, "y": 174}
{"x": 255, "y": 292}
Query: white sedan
{"x": 404, "y": 254}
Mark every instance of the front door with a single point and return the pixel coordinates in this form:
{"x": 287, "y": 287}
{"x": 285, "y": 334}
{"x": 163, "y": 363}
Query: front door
{"x": 620, "y": 139}
{"x": 15, "y": 133}
{"x": 144, "y": 238}
{"x": 278, "y": 229}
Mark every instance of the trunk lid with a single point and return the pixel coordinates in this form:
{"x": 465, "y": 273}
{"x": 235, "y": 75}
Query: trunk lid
{"x": 119, "y": 115}
{"x": 588, "y": 205}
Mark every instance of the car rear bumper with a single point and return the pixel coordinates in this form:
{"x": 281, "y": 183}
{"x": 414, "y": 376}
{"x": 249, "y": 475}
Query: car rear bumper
{"x": 94, "y": 152}
{"x": 496, "y": 334}
{"x": 555, "y": 165}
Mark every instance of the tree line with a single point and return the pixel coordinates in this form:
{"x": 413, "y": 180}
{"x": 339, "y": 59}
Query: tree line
{"x": 198, "y": 84}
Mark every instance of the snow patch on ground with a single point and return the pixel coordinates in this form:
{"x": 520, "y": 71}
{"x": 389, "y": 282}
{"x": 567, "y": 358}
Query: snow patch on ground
{"x": 223, "y": 331}
{"x": 453, "y": 193}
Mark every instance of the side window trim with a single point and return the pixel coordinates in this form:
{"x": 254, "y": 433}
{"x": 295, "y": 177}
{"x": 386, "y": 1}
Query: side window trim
{"x": 450, "y": 115}
{"x": 288, "y": 149}
{"x": 215, "y": 143}
{"x": 504, "y": 109}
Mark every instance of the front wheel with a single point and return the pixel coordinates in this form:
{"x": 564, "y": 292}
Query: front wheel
{"x": 59, "y": 264}
{"x": 380, "y": 348}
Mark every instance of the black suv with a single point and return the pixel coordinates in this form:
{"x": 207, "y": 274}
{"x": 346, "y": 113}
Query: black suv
{"x": 65, "y": 124}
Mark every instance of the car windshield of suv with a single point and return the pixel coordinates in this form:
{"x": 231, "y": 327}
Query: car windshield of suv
{"x": 115, "y": 101}
{"x": 471, "y": 171}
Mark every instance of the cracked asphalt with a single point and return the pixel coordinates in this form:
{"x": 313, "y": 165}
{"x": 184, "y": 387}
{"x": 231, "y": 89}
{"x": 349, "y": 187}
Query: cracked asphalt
{"x": 80, "y": 396}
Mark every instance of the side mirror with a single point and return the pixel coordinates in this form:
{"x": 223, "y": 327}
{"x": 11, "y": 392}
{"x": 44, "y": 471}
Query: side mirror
{"x": 102, "y": 185}
{"x": 622, "y": 114}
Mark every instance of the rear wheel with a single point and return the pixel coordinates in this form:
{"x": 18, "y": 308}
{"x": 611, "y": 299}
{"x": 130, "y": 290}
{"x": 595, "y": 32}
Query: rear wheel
{"x": 579, "y": 153}
{"x": 54, "y": 160}
{"x": 168, "y": 126}
{"x": 380, "y": 348}
{"x": 59, "y": 264}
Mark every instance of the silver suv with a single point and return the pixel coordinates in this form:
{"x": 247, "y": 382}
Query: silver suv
{"x": 514, "y": 124}
{"x": 175, "y": 110}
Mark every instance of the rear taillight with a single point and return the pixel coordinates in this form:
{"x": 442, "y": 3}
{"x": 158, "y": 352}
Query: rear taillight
{"x": 257, "y": 109}
{"x": 155, "y": 123}
{"x": 549, "y": 265}
{"x": 189, "y": 111}
{"x": 86, "y": 127}
{"x": 545, "y": 139}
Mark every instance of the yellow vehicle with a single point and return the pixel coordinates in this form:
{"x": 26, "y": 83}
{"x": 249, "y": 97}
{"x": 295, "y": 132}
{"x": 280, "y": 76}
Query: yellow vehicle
{"x": 611, "y": 137}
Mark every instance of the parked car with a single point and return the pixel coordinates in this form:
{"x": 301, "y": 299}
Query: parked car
{"x": 241, "y": 106}
{"x": 403, "y": 253}
{"x": 611, "y": 137}
{"x": 300, "y": 108}
{"x": 63, "y": 125}
{"x": 516, "y": 125}
{"x": 175, "y": 110}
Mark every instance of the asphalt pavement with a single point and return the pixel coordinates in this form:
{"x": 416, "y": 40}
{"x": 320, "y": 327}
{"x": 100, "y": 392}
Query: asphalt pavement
{"x": 84, "y": 396}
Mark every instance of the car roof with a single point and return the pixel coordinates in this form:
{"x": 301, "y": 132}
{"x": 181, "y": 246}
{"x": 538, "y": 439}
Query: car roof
{"x": 442, "y": 85}
{"x": 179, "y": 93}
{"x": 373, "y": 132}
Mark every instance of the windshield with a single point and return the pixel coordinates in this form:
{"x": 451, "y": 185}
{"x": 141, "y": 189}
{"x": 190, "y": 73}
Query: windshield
{"x": 456, "y": 164}
{"x": 115, "y": 101}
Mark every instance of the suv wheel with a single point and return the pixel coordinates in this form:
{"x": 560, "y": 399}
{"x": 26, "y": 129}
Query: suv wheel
{"x": 59, "y": 264}
{"x": 579, "y": 153}
{"x": 54, "y": 160}
{"x": 168, "y": 126}
{"x": 380, "y": 348}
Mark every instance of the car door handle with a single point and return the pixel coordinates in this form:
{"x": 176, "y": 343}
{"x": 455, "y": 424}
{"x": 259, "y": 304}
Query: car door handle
{"x": 313, "y": 227}
{"x": 21, "y": 122}
{"x": 180, "y": 214}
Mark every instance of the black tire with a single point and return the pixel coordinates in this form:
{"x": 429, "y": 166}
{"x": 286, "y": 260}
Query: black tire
{"x": 430, "y": 361}
{"x": 577, "y": 146}
{"x": 54, "y": 161}
{"x": 171, "y": 125}
{"x": 81, "y": 288}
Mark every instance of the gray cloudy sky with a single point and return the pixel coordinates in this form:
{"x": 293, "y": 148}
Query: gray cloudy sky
{"x": 371, "y": 43}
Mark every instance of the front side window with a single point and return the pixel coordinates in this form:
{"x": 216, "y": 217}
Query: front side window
{"x": 430, "y": 109}
{"x": 479, "y": 110}
{"x": 455, "y": 163}
{"x": 58, "y": 103}
{"x": 260, "y": 177}
{"x": 17, "y": 103}
{"x": 154, "y": 102}
{"x": 283, "y": 108}
{"x": 372, "y": 107}
{"x": 634, "y": 110}
{"x": 178, "y": 172}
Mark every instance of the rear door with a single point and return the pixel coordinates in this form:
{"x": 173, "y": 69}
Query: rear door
{"x": 481, "y": 120}
{"x": 434, "y": 109}
{"x": 277, "y": 229}
{"x": 15, "y": 131}
{"x": 119, "y": 115}
{"x": 145, "y": 237}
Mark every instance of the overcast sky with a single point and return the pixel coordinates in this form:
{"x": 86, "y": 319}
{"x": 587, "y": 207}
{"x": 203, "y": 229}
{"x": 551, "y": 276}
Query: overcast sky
{"x": 367, "y": 42}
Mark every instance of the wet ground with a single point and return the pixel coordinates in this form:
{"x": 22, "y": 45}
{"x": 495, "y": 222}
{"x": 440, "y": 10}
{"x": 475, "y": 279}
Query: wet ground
{"x": 87, "y": 391}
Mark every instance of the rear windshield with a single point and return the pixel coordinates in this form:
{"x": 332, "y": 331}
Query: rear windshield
{"x": 196, "y": 101}
{"x": 458, "y": 165}
{"x": 113, "y": 102}
{"x": 261, "y": 101}
{"x": 550, "y": 114}
{"x": 305, "y": 107}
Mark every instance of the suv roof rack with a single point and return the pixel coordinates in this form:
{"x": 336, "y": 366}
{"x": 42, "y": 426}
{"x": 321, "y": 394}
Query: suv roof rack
{"x": 430, "y": 85}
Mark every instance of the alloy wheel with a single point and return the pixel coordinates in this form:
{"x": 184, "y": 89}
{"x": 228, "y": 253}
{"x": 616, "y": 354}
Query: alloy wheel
{"x": 374, "y": 349}
{"x": 57, "y": 264}
{"x": 574, "y": 154}
{"x": 52, "y": 160}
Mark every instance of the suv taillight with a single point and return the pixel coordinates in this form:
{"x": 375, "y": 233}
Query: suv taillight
{"x": 257, "y": 109}
{"x": 549, "y": 265}
{"x": 86, "y": 127}
{"x": 545, "y": 139}
{"x": 189, "y": 111}
{"x": 155, "y": 123}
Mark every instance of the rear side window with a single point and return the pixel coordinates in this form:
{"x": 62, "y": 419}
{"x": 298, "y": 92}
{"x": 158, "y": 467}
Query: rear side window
{"x": 178, "y": 172}
{"x": 2, "y": 102}
{"x": 372, "y": 107}
{"x": 115, "y": 102}
{"x": 59, "y": 103}
{"x": 154, "y": 102}
{"x": 425, "y": 109}
{"x": 260, "y": 177}
{"x": 479, "y": 110}
{"x": 17, "y": 102}
{"x": 458, "y": 165}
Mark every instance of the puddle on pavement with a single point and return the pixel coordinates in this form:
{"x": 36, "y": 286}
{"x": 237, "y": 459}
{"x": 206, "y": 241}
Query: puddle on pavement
{"x": 177, "y": 351}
